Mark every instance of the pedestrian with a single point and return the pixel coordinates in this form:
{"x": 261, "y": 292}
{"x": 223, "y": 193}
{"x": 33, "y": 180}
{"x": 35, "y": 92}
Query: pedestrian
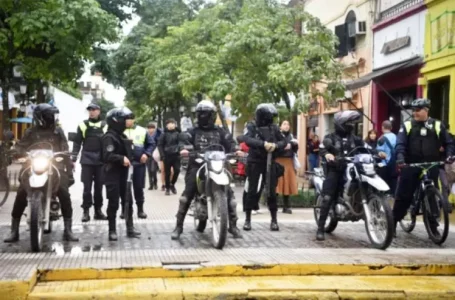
{"x": 386, "y": 148}
{"x": 168, "y": 145}
{"x": 263, "y": 137}
{"x": 117, "y": 156}
{"x": 88, "y": 137}
{"x": 44, "y": 132}
{"x": 152, "y": 164}
{"x": 443, "y": 175}
{"x": 371, "y": 139}
{"x": 143, "y": 149}
{"x": 287, "y": 184}
{"x": 313, "y": 152}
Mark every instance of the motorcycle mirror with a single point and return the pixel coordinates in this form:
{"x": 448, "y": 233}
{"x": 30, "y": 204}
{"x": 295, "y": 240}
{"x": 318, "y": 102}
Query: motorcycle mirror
{"x": 71, "y": 136}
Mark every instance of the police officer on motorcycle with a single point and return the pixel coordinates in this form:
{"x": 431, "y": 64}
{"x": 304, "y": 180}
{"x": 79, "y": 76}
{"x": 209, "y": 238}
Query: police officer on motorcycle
{"x": 44, "y": 132}
{"x": 418, "y": 141}
{"x": 205, "y": 133}
{"x": 89, "y": 135}
{"x": 117, "y": 157}
{"x": 263, "y": 137}
{"x": 336, "y": 145}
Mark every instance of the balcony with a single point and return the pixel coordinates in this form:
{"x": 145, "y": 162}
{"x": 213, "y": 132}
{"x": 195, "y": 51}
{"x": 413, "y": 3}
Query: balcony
{"x": 399, "y": 9}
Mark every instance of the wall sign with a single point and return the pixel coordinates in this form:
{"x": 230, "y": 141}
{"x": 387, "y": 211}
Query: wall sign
{"x": 396, "y": 44}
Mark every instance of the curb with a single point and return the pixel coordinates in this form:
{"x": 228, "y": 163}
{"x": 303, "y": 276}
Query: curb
{"x": 17, "y": 289}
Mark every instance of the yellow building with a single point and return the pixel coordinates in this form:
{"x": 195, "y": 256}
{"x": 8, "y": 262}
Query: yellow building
{"x": 438, "y": 79}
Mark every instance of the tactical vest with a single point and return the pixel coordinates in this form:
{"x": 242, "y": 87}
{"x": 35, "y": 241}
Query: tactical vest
{"x": 92, "y": 133}
{"x": 423, "y": 147}
{"x": 137, "y": 135}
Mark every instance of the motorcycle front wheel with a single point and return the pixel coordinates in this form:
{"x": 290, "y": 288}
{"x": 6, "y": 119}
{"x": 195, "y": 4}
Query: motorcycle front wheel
{"x": 219, "y": 217}
{"x": 36, "y": 220}
{"x": 379, "y": 221}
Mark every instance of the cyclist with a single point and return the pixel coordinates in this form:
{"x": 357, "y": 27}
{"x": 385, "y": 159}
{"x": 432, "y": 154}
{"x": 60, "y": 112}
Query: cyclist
{"x": 418, "y": 141}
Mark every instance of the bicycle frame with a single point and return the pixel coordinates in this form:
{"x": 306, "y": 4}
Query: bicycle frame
{"x": 425, "y": 182}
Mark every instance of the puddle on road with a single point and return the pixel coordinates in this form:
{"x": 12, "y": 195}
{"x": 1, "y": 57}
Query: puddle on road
{"x": 62, "y": 248}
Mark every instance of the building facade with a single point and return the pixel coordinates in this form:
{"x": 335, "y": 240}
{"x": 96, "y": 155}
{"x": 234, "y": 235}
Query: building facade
{"x": 438, "y": 75}
{"x": 351, "y": 21}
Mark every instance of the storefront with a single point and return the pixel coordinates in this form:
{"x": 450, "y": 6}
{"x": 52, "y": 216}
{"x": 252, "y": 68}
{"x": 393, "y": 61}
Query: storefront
{"x": 438, "y": 80}
{"x": 397, "y": 61}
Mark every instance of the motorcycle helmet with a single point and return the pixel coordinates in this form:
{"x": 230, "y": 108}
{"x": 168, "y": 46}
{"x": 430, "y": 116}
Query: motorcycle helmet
{"x": 45, "y": 115}
{"x": 205, "y": 114}
{"x": 265, "y": 113}
{"x": 346, "y": 120}
{"x": 116, "y": 118}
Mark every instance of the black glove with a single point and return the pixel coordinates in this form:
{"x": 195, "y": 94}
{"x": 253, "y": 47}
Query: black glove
{"x": 400, "y": 163}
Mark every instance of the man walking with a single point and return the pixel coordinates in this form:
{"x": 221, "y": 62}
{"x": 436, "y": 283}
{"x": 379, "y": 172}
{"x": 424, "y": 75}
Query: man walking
{"x": 152, "y": 165}
{"x": 89, "y": 135}
{"x": 168, "y": 146}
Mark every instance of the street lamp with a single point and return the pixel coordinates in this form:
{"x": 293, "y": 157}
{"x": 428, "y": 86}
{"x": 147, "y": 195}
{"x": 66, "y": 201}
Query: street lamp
{"x": 45, "y": 90}
{"x": 17, "y": 71}
{"x": 23, "y": 88}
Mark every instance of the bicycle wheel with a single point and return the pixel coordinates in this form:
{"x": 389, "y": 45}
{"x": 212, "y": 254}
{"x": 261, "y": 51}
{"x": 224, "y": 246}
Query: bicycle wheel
{"x": 435, "y": 216}
{"x": 4, "y": 189}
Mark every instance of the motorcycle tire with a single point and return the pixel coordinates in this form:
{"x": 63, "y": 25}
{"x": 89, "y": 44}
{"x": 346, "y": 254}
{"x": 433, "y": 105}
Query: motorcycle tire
{"x": 36, "y": 220}
{"x": 219, "y": 205}
{"x": 388, "y": 218}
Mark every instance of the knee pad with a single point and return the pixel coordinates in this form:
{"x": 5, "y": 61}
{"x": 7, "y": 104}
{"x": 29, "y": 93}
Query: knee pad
{"x": 183, "y": 199}
{"x": 233, "y": 204}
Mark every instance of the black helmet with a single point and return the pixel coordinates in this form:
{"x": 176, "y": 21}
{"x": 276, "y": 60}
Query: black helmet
{"x": 345, "y": 120}
{"x": 421, "y": 103}
{"x": 44, "y": 115}
{"x": 265, "y": 113}
{"x": 116, "y": 118}
{"x": 205, "y": 114}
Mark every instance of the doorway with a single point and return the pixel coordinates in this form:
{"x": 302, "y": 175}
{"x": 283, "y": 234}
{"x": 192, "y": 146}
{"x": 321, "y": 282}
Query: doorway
{"x": 438, "y": 93}
{"x": 396, "y": 114}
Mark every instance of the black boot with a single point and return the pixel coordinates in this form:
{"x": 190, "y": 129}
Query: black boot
{"x": 130, "y": 230}
{"x": 140, "y": 211}
{"x": 274, "y": 224}
{"x": 286, "y": 205}
{"x": 233, "y": 229}
{"x": 86, "y": 215}
{"x": 68, "y": 234}
{"x": 99, "y": 215}
{"x": 323, "y": 214}
{"x": 122, "y": 215}
{"x": 181, "y": 213}
{"x": 14, "y": 234}
{"x": 112, "y": 230}
{"x": 247, "y": 225}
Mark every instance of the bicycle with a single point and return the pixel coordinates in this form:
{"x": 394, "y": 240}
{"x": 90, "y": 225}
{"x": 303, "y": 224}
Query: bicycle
{"x": 428, "y": 202}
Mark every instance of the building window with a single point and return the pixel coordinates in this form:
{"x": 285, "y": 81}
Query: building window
{"x": 346, "y": 34}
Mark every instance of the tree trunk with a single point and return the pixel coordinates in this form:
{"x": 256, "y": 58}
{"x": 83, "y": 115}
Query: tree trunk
{"x": 5, "y": 105}
{"x": 40, "y": 97}
{"x": 222, "y": 116}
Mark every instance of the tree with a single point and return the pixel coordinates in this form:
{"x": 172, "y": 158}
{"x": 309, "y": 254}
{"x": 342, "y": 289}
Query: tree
{"x": 106, "y": 106}
{"x": 49, "y": 39}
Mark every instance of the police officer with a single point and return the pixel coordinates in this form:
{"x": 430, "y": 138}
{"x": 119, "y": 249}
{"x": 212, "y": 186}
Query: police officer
{"x": 418, "y": 141}
{"x": 262, "y": 137}
{"x": 117, "y": 156}
{"x": 143, "y": 148}
{"x": 335, "y": 145}
{"x": 45, "y": 131}
{"x": 89, "y": 135}
{"x": 204, "y": 134}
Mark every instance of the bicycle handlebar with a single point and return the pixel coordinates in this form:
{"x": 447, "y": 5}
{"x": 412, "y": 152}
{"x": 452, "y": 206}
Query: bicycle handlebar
{"x": 425, "y": 164}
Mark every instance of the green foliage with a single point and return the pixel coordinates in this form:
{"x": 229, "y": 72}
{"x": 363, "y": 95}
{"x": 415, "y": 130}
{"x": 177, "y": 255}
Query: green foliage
{"x": 106, "y": 106}
{"x": 248, "y": 49}
{"x": 70, "y": 89}
{"x": 118, "y": 8}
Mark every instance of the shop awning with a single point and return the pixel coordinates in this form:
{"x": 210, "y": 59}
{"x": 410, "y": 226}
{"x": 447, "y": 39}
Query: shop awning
{"x": 21, "y": 120}
{"x": 365, "y": 80}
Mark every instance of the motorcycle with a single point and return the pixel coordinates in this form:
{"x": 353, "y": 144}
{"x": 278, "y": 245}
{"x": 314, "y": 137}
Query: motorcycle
{"x": 41, "y": 180}
{"x": 213, "y": 183}
{"x": 362, "y": 197}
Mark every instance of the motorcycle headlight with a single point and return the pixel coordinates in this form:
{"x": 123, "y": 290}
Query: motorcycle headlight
{"x": 368, "y": 169}
{"x": 216, "y": 165}
{"x": 40, "y": 164}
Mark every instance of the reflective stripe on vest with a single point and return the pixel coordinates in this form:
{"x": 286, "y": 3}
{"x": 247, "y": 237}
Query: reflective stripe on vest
{"x": 137, "y": 135}
{"x": 84, "y": 127}
{"x": 437, "y": 127}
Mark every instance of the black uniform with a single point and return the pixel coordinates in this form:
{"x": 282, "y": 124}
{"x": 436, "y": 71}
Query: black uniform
{"x": 168, "y": 146}
{"x": 45, "y": 132}
{"x": 201, "y": 136}
{"x": 89, "y": 135}
{"x": 115, "y": 147}
{"x": 421, "y": 144}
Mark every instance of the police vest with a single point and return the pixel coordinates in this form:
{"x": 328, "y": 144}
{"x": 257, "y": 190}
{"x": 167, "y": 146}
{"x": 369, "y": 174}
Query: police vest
{"x": 437, "y": 127}
{"x": 137, "y": 135}
{"x": 92, "y": 133}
